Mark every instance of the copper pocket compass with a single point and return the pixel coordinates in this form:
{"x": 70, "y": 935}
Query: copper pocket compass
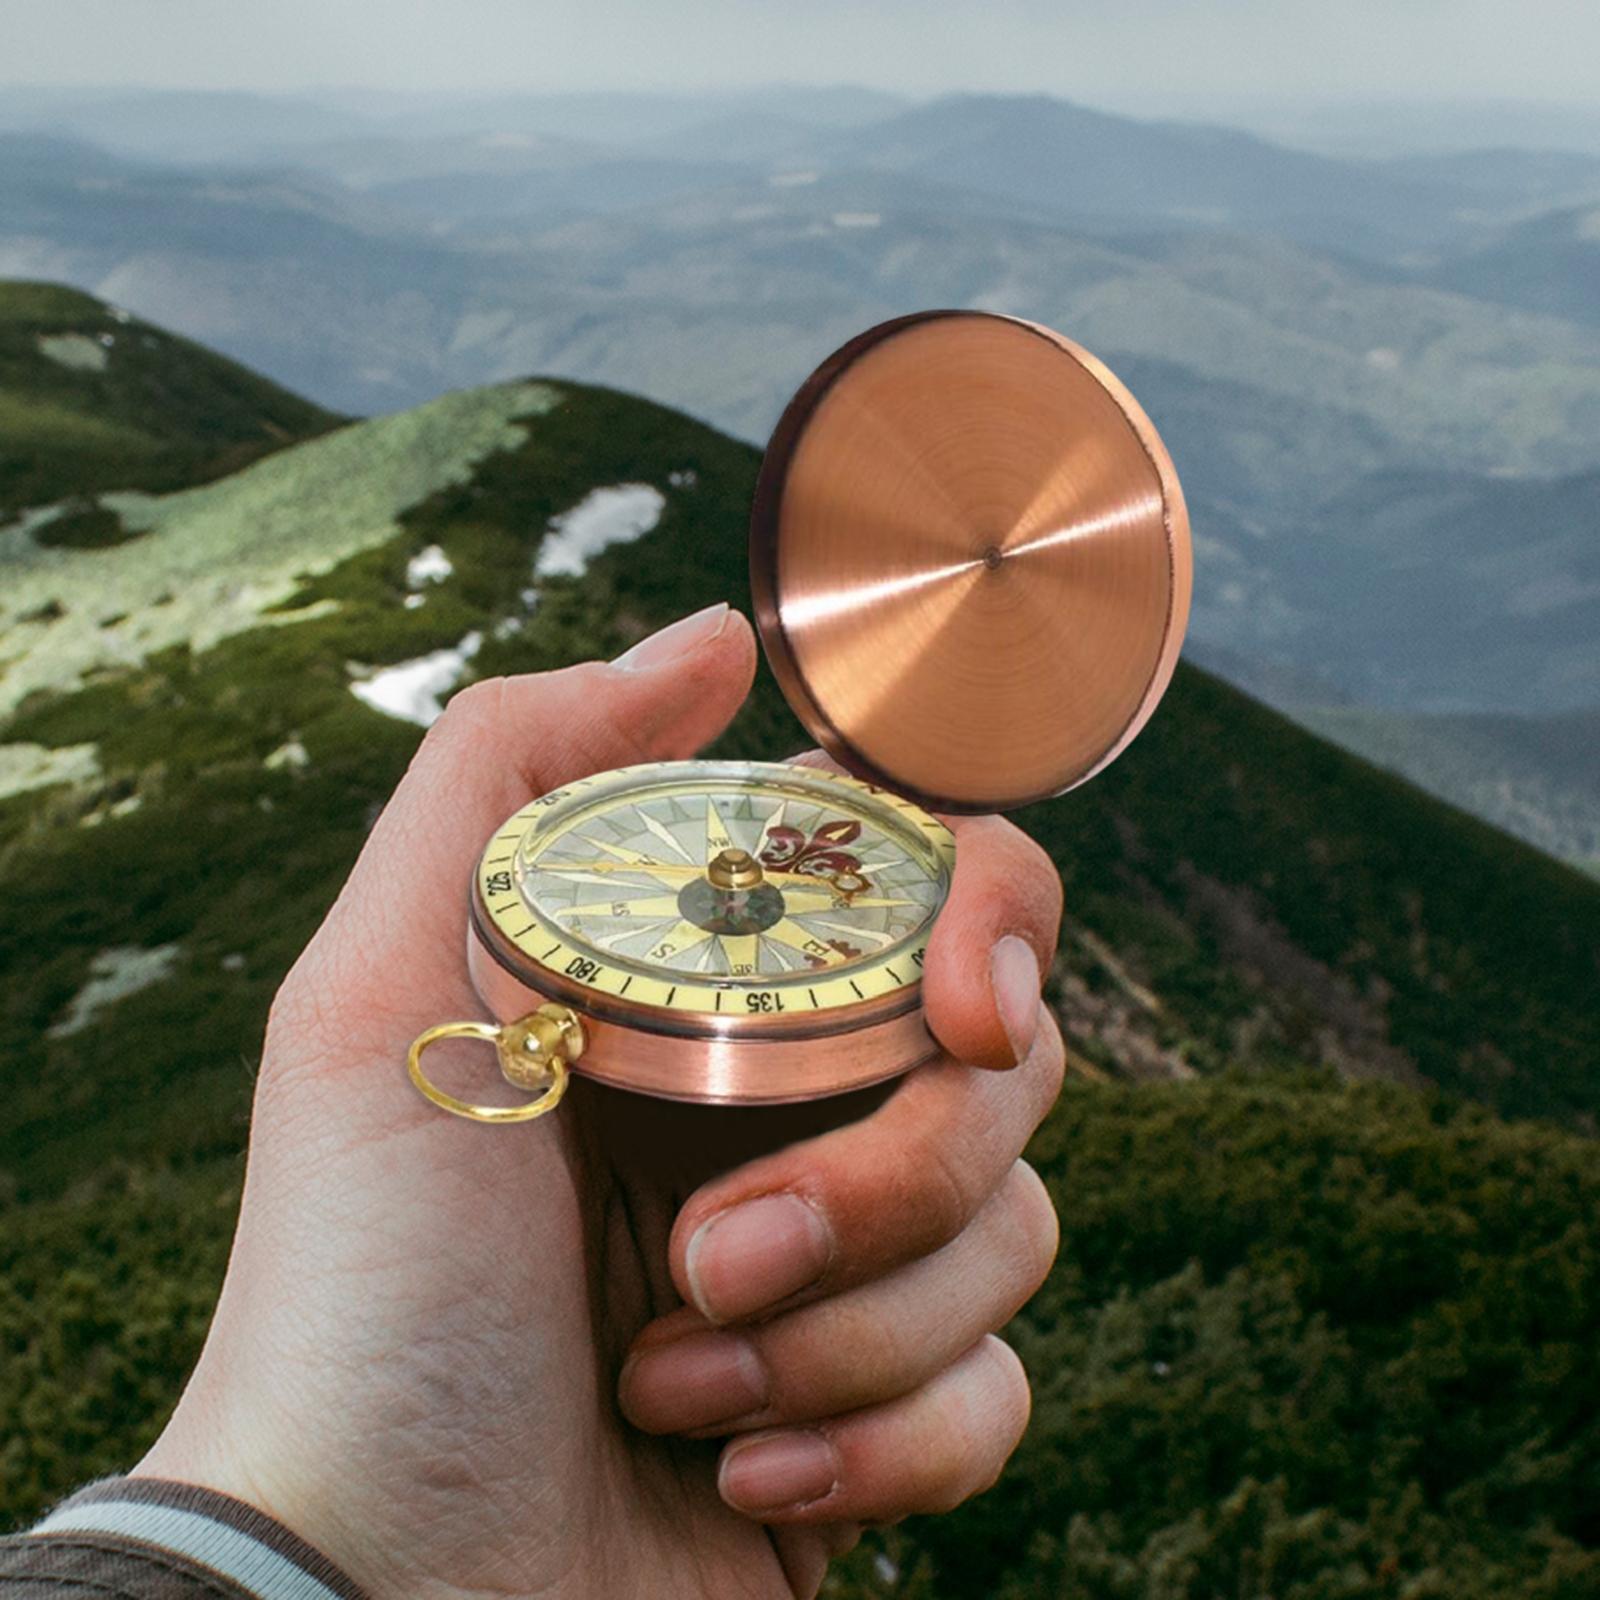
{"x": 971, "y": 566}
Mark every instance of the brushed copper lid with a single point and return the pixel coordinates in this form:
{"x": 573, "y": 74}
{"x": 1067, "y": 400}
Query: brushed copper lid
{"x": 970, "y": 560}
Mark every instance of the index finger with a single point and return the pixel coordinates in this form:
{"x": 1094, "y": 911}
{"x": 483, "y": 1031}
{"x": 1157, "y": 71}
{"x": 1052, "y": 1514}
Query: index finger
{"x": 850, "y": 1204}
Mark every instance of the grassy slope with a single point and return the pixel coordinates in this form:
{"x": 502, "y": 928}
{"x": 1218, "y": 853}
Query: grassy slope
{"x": 1239, "y": 891}
{"x": 163, "y": 413}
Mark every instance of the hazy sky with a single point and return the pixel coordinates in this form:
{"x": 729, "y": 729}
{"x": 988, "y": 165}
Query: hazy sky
{"x": 1095, "y": 50}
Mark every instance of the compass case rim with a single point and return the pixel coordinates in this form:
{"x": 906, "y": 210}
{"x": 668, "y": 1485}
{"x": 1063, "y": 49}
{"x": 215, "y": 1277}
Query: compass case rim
{"x": 721, "y": 1067}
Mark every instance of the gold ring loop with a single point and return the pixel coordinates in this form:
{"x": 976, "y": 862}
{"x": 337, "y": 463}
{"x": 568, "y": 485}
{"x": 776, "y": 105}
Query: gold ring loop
{"x": 547, "y": 1100}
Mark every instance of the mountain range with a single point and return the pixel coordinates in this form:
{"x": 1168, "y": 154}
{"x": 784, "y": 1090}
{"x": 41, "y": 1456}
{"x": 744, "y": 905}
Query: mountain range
{"x": 1366, "y": 369}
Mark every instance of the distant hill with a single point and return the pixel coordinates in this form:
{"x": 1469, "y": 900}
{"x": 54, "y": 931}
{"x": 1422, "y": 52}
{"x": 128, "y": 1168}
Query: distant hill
{"x": 174, "y": 124}
{"x": 643, "y": 116}
{"x": 1478, "y": 593}
{"x": 1516, "y": 181}
{"x": 1310, "y": 398}
{"x": 1550, "y": 263}
{"x": 315, "y": 284}
{"x": 93, "y": 398}
{"x": 1291, "y": 1288}
{"x": 1044, "y": 151}
{"x": 234, "y": 126}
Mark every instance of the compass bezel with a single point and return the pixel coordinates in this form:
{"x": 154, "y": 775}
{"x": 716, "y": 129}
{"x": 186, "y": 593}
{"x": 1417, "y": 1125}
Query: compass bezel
{"x": 521, "y": 939}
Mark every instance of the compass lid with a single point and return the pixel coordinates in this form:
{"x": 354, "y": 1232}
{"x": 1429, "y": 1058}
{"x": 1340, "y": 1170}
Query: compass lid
{"x": 970, "y": 560}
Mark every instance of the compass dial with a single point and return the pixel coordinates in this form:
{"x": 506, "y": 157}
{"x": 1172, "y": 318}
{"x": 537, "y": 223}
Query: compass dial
{"x": 729, "y": 888}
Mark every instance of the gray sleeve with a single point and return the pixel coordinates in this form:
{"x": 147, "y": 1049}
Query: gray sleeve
{"x": 154, "y": 1539}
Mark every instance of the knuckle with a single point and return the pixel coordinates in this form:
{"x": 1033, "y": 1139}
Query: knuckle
{"x": 616, "y": 736}
{"x": 470, "y": 713}
{"x": 1013, "y": 1393}
{"x": 832, "y": 1358}
{"x": 946, "y": 1200}
{"x": 1008, "y": 1402}
{"x": 1036, "y": 859}
{"x": 1037, "y": 1229}
{"x": 960, "y": 1458}
{"x": 1048, "y": 1065}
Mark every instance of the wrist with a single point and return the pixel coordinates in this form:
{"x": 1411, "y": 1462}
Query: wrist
{"x": 195, "y": 1460}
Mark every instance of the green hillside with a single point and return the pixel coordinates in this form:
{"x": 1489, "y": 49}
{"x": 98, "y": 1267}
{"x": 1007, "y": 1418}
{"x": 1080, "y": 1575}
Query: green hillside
{"x": 1351, "y": 1274}
{"x": 1537, "y": 777}
{"x": 92, "y": 398}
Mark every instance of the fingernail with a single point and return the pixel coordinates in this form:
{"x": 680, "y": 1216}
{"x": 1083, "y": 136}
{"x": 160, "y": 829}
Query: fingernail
{"x": 754, "y": 1255}
{"x": 1014, "y": 971}
{"x": 677, "y": 639}
{"x": 694, "y": 1382}
{"x": 772, "y": 1472}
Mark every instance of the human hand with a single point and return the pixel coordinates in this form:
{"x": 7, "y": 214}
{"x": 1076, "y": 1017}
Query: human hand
{"x": 428, "y": 1328}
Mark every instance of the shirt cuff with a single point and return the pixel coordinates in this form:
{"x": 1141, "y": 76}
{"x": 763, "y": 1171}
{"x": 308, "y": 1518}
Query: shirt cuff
{"x": 155, "y": 1538}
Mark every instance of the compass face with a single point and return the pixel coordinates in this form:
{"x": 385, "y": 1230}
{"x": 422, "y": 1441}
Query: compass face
{"x": 722, "y": 888}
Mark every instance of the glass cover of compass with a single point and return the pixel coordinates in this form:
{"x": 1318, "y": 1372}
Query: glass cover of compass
{"x": 711, "y": 922}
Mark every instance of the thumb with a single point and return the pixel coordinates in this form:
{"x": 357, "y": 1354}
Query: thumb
{"x": 500, "y": 743}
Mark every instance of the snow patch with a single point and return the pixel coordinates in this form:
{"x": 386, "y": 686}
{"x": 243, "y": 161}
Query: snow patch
{"x": 603, "y": 517}
{"x": 125, "y": 807}
{"x": 218, "y": 559}
{"x": 37, "y": 766}
{"x": 75, "y": 351}
{"x": 114, "y": 975}
{"x": 290, "y": 756}
{"x": 411, "y": 690}
{"x": 428, "y": 566}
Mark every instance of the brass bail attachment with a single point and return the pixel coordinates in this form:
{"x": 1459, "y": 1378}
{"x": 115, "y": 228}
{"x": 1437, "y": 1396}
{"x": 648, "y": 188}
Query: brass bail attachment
{"x": 535, "y": 1052}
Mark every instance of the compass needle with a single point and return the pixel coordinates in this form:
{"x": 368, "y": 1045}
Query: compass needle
{"x": 633, "y": 858}
{"x": 718, "y": 838}
{"x": 662, "y": 905}
{"x": 664, "y": 834}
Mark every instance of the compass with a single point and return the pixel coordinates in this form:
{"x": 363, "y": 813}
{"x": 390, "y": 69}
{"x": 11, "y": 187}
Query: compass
{"x": 971, "y": 566}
